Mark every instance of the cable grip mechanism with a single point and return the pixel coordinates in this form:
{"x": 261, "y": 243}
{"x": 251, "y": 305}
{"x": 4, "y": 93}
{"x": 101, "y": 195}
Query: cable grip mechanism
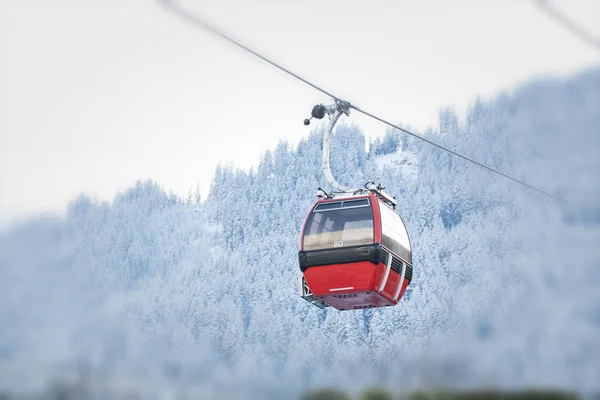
{"x": 319, "y": 111}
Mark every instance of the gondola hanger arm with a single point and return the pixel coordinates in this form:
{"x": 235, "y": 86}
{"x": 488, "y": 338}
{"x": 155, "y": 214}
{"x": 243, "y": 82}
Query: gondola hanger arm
{"x": 334, "y": 111}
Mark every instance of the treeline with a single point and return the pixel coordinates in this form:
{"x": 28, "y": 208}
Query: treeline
{"x": 79, "y": 392}
{"x": 481, "y": 394}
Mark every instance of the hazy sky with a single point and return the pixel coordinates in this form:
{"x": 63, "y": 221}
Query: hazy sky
{"x": 97, "y": 94}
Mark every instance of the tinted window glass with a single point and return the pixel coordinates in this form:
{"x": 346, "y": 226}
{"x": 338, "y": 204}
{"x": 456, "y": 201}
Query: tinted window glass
{"x": 356, "y": 203}
{"x": 394, "y": 235}
{"x": 328, "y": 206}
{"x": 339, "y": 228}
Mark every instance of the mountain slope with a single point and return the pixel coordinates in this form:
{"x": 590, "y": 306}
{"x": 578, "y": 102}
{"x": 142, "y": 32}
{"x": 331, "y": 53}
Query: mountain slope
{"x": 180, "y": 294}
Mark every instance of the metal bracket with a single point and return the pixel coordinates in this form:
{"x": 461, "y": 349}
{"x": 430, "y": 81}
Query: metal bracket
{"x": 307, "y": 295}
{"x": 334, "y": 111}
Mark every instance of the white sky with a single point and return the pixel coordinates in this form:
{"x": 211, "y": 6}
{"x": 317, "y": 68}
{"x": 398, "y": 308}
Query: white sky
{"x": 95, "y": 95}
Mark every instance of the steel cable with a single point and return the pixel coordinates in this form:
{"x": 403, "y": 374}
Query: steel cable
{"x": 200, "y": 22}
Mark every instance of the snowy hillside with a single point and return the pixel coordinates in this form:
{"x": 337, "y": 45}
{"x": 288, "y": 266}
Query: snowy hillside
{"x": 187, "y": 295}
{"x": 404, "y": 163}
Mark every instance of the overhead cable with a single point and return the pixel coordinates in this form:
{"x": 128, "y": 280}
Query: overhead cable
{"x": 569, "y": 23}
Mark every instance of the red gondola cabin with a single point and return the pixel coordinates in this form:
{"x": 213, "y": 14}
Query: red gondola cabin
{"x": 354, "y": 252}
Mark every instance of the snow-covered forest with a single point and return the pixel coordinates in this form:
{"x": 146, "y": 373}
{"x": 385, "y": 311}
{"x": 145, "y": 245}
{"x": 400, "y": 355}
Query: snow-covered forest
{"x": 155, "y": 293}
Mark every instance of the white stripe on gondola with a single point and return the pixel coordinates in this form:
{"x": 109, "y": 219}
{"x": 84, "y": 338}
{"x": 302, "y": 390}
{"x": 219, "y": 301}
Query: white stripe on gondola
{"x": 387, "y": 273}
{"x": 399, "y": 288}
{"x": 341, "y": 288}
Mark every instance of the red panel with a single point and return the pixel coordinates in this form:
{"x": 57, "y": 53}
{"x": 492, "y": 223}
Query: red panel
{"x": 352, "y": 286}
{"x": 378, "y": 276}
{"x": 355, "y": 277}
{"x": 404, "y": 286}
{"x": 390, "y": 286}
